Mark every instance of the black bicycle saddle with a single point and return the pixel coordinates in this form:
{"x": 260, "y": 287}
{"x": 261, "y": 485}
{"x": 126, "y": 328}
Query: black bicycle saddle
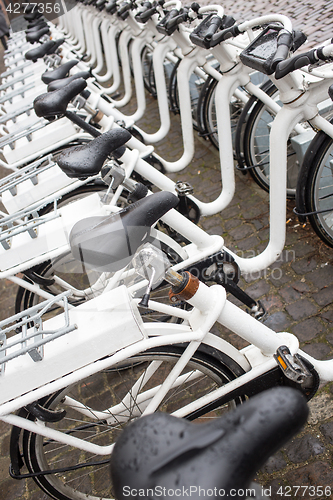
{"x": 87, "y": 160}
{"x": 56, "y": 45}
{"x": 59, "y": 84}
{"x": 35, "y": 36}
{"x": 55, "y": 103}
{"x": 35, "y": 22}
{"x": 41, "y": 51}
{"x": 108, "y": 243}
{"x": 31, "y": 16}
{"x": 41, "y": 25}
{"x": 160, "y": 451}
{"x": 58, "y": 73}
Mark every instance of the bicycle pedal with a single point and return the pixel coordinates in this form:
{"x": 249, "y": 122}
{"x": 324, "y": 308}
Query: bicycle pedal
{"x": 292, "y": 365}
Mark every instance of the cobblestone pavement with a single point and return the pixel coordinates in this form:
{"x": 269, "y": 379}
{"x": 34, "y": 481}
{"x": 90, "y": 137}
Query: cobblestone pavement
{"x": 297, "y": 291}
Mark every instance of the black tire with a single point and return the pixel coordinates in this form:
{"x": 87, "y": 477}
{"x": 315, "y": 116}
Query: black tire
{"x": 256, "y": 147}
{"x": 196, "y": 83}
{"x": 147, "y": 70}
{"x": 208, "y": 113}
{"x": 319, "y": 186}
{"x": 103, "y": 391}
{"x": 241, "y": 124}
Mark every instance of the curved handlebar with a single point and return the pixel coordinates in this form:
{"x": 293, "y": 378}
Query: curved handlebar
{"x": 175, "y": 3}
{"x": 213, "y": 38}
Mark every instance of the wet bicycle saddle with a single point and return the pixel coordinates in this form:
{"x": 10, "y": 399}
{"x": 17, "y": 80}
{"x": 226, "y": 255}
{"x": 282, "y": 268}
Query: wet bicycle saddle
{"x": 37, "y": 27}
{"x": 87, "y": 160}
{"x": 59, "y": 84}
{"x": 161, "y": 451}
{"x": 39, "y": 52}
{"x": 58, "y": 73}
{"x": 55, "y": 103}
{"x": 37, "y": 35}
{"x": 108, "y": 243}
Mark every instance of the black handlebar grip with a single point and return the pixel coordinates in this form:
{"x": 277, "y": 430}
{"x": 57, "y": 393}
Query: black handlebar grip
{"x": 111, "y": 7}
{"x": 296, "y": 62}
{"x": 284, "y": 43}
{"x": 224, "y": 35}
{"x": 143, "y": 17}
{"x": 100, "y": 4}
{"x": 123, "y": 9}
{"x": 181, "y": 18}
{"x": 214, "y": 25}
{"x": 171, "y": 15}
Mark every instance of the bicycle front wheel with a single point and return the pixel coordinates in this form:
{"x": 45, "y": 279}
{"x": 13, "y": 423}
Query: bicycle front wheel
{"x": 208, "y": 113}
{"x": 99, "y": 407}
{"x": 319, "y": 187}
{"x": 256, "y": 146}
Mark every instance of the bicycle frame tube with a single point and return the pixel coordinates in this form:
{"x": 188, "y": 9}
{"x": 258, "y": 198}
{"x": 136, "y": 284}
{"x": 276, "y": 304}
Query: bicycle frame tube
{"x": 213, "y": 298}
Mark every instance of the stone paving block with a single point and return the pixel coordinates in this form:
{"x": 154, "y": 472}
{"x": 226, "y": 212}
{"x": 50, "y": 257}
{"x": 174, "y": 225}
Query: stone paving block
{"x": 322, "y": 277}
{"x": 301, "y": 309}
{"x": 325, "y": 296}
{"x": 303, "y": 248}
{"x": 274, "y": 463}
{"x": 301, "y": 449}
{"x": 289, "y": 294}
{"x": 304, "y": 266}
{"x": 271, "y": 303}
{"x": 318, "y": 350}
{"x": 248, "y": 243}
{"x": 300, "y": 286}
{"x": 327, "y": 431}
{"x": 257, "y": 290}
{"x": 278, "y": 321}
{"x": 232, "y": 223}
{"x": 241, "y": 232}
{"x": 316, "y": 474}
{"x": 328, "y": 316}
{"x": 308, "y": 329}
{"x": 278, "y": 278}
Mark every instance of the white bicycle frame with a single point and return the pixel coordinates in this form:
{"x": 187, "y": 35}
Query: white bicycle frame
{"x": 226, "y": 87}
{"x": 44, "y": 376}
{"x": 300, "y": 97}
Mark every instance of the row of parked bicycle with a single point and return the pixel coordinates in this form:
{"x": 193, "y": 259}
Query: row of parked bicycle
{"x": 95, "y": 233}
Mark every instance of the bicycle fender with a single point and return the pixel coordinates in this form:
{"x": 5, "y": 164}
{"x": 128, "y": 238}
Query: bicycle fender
{"x": 220, "y": 346}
